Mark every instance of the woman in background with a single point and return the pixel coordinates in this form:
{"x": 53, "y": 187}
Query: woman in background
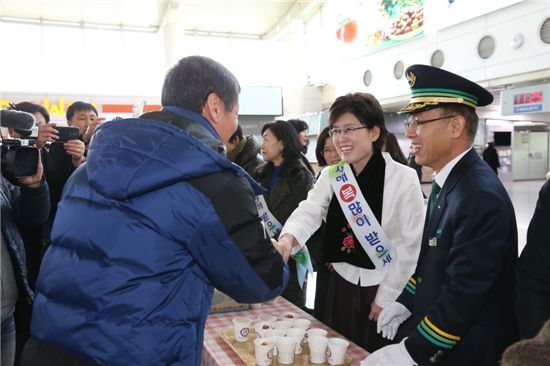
{"x": 392, "y": 147}
{"x": 288, "y": 182}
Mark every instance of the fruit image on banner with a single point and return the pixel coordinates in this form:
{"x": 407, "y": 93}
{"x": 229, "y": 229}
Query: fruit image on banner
{"x": 347, "y": 31}
{"x": 384, "y": 23}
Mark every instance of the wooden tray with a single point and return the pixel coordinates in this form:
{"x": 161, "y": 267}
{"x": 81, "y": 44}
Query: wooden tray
{"x": 245, "y": 350}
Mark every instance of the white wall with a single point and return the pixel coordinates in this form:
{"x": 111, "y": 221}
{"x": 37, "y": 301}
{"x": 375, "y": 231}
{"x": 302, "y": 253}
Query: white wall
{"x": 458, "y": 43}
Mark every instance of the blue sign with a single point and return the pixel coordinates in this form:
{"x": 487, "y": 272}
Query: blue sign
{"x": 528, "y": 108}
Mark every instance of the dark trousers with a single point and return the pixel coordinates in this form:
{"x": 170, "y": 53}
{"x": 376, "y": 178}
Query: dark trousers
{"x": 37, "y": 353}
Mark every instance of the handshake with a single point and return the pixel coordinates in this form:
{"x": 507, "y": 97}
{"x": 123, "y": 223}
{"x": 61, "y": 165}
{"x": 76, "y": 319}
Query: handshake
{"x": 391, "y": 317}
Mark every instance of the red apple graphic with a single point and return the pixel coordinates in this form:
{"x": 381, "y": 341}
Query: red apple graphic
{"x": 347, "y": 31}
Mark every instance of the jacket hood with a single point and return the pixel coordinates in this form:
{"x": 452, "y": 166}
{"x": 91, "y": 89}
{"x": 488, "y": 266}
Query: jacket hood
{"x": 131, "y": 157}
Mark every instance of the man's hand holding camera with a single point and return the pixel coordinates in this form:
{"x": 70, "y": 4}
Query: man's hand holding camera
{"x": 34, "y": 181}
{"x": 46, "y": 133}
{"x": 74, "y": 147}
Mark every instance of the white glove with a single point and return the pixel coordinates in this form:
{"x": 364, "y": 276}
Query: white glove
{"x": 395, "y": 355}
{"x": 391, "y": 317}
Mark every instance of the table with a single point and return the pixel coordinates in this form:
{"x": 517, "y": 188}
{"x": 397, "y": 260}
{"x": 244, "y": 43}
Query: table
{"x": 216, "y": 352}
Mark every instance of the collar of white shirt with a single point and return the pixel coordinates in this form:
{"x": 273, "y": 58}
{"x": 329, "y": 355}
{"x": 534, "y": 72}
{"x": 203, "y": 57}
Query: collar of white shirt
{"x": 441, "y": 176}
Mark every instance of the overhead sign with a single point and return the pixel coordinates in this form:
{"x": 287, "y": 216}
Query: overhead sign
{"x": 531, "y": 99}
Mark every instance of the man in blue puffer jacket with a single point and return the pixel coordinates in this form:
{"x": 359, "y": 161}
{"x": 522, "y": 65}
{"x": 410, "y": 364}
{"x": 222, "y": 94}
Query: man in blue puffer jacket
{"x": 146, "y": 229}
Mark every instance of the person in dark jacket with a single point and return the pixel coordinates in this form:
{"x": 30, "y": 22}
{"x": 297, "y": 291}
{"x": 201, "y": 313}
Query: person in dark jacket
{"x": 244, "y": 151}
{"x": 287, "y": 181}
{"x": 490, "y": 155}
{"x": 533, "y": 272}
{"x": 35, "y": 238}
{"x": 460, "y": 298}
{"x": 155, "y": 219}
{"x": 25, "y": 206}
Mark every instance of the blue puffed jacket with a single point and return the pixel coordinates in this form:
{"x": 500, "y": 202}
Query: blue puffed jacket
{"x": 146, "y": 229}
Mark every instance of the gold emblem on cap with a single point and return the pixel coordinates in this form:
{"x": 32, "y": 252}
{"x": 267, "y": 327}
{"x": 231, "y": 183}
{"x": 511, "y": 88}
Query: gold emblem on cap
{"x": 411, "y": 77}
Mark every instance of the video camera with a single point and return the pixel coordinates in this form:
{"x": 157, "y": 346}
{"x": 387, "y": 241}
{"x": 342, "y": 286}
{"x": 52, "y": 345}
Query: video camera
{"x": 19, "y": 158}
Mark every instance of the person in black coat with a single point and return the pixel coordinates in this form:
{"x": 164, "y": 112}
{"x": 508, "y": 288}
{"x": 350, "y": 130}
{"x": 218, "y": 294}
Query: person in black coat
{"x": 490, "y": 155}
{"x": 534, "y": 270}
{"x": 288, "y": 182}
{"x": 244, "y": 151}
{"x": 460, "y": 299}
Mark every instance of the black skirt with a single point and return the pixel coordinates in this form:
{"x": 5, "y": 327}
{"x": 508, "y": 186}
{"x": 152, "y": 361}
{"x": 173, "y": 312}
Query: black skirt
{"x": 347, "y": 312}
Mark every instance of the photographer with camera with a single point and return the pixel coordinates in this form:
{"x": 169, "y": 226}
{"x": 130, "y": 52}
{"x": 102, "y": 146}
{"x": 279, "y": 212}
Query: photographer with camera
{"x": 23, "y": 206}
{"x": 61, "y": 153}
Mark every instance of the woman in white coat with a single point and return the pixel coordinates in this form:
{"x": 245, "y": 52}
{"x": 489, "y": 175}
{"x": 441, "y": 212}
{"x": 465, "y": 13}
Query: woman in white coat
{"x": 371, "y": 263}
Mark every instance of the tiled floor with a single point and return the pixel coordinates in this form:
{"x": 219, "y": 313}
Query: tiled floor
{"x": 524, "y": 197}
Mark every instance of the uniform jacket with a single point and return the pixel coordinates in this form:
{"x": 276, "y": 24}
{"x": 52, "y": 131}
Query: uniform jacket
{"x": 462, "y": 292}
{"x": 22, "y": 207}
{"x": 146, "y": 229}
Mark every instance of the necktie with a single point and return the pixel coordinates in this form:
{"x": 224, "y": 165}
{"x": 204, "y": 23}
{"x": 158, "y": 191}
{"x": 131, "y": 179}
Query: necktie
{"x": 433, "y": 197}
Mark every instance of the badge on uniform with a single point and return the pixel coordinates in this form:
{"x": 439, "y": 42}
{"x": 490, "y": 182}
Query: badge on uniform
{"x": 432, "y": 242}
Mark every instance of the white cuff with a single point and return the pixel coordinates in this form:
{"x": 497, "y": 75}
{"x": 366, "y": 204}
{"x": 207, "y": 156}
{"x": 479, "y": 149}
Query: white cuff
{"x": 386, "y": 295}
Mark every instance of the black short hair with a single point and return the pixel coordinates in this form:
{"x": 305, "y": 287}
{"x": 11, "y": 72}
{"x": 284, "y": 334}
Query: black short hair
{"x": 298, "y": 125}
{"x": 79, "y": 106}
{"x": 366, "y": 108}
{"x": 284, "y": 132}
{"x": 321, "y": 140}
{"x": 237, "y": 135}
{"x": 189, "y": 83}
{"x": 33, "y": 108}
{"x": 469, "y": 114}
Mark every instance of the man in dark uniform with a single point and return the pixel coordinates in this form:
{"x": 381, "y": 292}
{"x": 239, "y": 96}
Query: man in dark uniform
{"x": 461, "y": 296}
{"x": 490, "y": 155}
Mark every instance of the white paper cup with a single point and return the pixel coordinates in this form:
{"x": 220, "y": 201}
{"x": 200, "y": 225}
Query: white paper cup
{"x": 299, "y": 335}
{"x": 261, "y": 328}
{"x": 315, "y": 332}
{"x": 289, "y": 316}
{"x": 281, "y": 324}
{"x": 336, "y": 350}
{"x": 266, "y": 318}
{"x": 274, "y": 334}
{"x": 241, "y": 327}
{"x": 317, "y": 348}
{"x": 302, "y": 324}
{"x": 285, "y": 349}
{"x": 263, "y": 351}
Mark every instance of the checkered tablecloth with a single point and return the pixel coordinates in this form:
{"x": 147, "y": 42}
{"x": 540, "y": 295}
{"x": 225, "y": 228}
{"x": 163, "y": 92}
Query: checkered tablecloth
{"x": 216, "y": 352}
